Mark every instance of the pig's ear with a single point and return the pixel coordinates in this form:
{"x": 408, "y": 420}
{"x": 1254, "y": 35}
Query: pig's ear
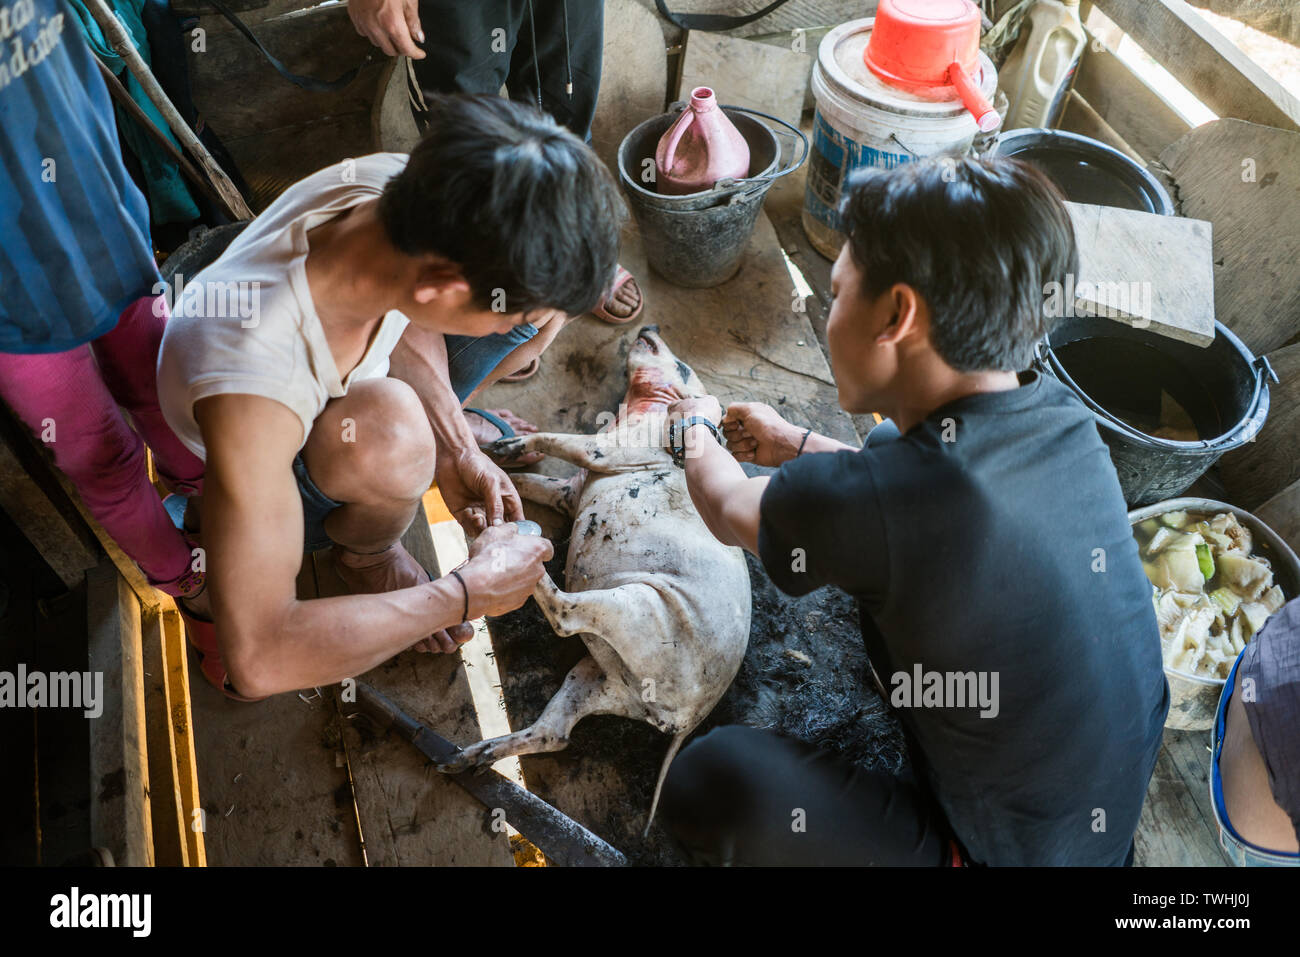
{"x": 439, "y": 280}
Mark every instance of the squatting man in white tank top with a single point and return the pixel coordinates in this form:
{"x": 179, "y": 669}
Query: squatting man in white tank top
{"x": 353, "y": 320}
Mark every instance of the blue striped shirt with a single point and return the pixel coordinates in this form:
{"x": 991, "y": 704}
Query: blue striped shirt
{"x": 74, "y": 229}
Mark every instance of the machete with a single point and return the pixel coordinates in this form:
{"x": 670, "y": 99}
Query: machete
{"x": 562, "y": 839}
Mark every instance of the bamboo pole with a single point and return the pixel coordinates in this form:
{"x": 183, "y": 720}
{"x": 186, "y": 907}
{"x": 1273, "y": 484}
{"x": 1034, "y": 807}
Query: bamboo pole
{"x": 133, "y": 108}
{"x": 121, "y": 42}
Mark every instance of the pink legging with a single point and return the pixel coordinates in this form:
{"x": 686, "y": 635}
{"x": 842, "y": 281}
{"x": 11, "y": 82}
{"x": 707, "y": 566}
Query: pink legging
{"x": 75, "y": 396}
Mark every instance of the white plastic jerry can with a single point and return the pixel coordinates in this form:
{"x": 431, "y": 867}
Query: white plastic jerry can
{"x": 1036, "y": 77}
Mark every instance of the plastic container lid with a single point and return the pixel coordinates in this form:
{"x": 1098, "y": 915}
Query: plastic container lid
{"x": 916, "y": 41}
{"x": 843, "y": 67}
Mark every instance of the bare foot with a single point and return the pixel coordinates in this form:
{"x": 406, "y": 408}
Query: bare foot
{"x": 485, "y": 433}
{"x": 390, "y": 570}
{"x": 372, "y": 574}
{"x": 200, "y": 606}
{"x": 625, "y": 301}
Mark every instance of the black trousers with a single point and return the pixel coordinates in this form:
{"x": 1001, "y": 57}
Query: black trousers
{"x": 478, "y": 46}
{"x": 742, "y": 796}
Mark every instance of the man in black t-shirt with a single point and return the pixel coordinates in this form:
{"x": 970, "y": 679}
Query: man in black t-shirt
{"x": 1003, "y": 604}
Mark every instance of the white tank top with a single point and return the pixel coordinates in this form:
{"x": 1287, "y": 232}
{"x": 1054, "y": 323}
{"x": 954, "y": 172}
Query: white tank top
{"x": 247, "y": 324}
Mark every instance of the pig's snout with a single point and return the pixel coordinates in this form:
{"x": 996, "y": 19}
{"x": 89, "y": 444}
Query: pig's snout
{"x": 647, "y": 338}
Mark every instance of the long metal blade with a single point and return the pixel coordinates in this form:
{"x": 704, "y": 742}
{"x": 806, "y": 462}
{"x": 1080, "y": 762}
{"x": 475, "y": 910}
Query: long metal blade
{"x": 562, "y": 839}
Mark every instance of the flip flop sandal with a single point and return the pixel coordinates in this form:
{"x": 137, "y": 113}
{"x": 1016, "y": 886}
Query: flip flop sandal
{"x": 202, "y": 634}
{"x": 175, "y": 506}
{"x": 191, "y": 582}
{"x": 621, "y": 279}
{"x": 527, "y": 372}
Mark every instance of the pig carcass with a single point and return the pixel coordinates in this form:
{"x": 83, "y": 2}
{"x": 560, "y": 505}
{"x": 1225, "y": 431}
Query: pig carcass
{"x": 662, "y": 606}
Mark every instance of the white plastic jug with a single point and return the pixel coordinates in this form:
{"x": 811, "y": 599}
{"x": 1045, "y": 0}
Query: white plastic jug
{"x": 1037, "y": 75}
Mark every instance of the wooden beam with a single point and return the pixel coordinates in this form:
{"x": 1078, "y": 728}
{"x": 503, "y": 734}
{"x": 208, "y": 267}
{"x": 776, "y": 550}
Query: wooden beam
{"x": 38, "y": 517}
{"x": 122, "y": 43}
{"x": 1205, "y": 61}
{"x": 169, "y": 825}
{"x": 393, "y": 787}
{"x": 133, "y": 109}
{"x": 1079, "y": 117}
{"x": 176, "y": 656}
{"x": 1266, "y": 467}
{"x": 1245, "y": 179}
{"x": 1282, "y": 514}
{"x": 119, "y": 767}
{"x": 148, "y": 597}
{"x": 1137, "y": 113}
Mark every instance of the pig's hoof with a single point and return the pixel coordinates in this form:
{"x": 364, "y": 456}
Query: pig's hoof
{"x": 472, "y": 757}
{"x": 506, "y": 449}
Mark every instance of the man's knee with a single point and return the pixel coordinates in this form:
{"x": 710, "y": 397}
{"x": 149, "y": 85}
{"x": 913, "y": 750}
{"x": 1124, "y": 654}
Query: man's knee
{"x": 376, "y": 442}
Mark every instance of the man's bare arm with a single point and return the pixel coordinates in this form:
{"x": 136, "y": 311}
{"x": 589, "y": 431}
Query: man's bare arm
{"x": 420, "y": 360}
{"x": 253, "y": 534}
{"x": 726, "y": 498}
{"x": 478, "y": 493}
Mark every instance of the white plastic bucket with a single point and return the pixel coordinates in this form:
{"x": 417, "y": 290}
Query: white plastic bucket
{"x": 862, "y": 121}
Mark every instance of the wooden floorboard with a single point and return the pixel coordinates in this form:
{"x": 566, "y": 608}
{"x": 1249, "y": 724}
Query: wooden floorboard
{"x": 410, "y": 813}
{"x": 1177, "y": 828}
{"x": 271, "y": 790}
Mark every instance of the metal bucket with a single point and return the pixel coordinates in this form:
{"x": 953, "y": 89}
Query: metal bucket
{"x": 1194, "y": 700}
{"x": 697, "y": 240}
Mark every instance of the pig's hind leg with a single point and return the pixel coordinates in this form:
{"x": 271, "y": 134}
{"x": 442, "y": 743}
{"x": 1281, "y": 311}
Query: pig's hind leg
{"x": 586, "y": 690}
{"x": 605, "y": 612}
{"x": 627, "y": 629}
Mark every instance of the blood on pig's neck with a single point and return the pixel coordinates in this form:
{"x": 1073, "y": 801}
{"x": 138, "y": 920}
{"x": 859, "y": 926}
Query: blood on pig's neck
{"x": 647, "y": 392}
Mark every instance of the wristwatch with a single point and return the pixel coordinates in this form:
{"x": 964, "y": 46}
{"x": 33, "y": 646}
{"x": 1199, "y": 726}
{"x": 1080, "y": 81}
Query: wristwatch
{"x": 677, "y": 437}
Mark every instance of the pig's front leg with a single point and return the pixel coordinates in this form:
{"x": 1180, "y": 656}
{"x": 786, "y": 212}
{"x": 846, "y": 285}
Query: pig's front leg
{"x": 599, "y": 453}
{"x": 559, "y": 494}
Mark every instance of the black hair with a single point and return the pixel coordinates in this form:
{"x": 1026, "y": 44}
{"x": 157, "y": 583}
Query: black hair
{"x": 520, "y": 204}
{"x": 979, "y": 240}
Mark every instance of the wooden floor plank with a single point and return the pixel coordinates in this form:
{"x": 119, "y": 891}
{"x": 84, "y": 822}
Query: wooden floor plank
{"x": 182, "y": 732}
{"x": 119, "y": 771}
{"x": 171, "y": 847}
{"x": 270, "y": 787}
{"x": 1177, "y": 827}
{"x": 410, "y": 813}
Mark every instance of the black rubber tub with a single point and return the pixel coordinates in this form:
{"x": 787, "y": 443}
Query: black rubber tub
{"x": 1086, "y": 170}
{"x": 1205, "y": 401}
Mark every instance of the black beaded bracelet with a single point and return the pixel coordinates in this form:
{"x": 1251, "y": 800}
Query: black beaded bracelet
{"x": 465, "y": 588}
{"x": 802, "y": 443}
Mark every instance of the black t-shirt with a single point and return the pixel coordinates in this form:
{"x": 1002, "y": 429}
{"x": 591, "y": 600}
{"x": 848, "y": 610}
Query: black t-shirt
{"x": 991, "y": 544}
